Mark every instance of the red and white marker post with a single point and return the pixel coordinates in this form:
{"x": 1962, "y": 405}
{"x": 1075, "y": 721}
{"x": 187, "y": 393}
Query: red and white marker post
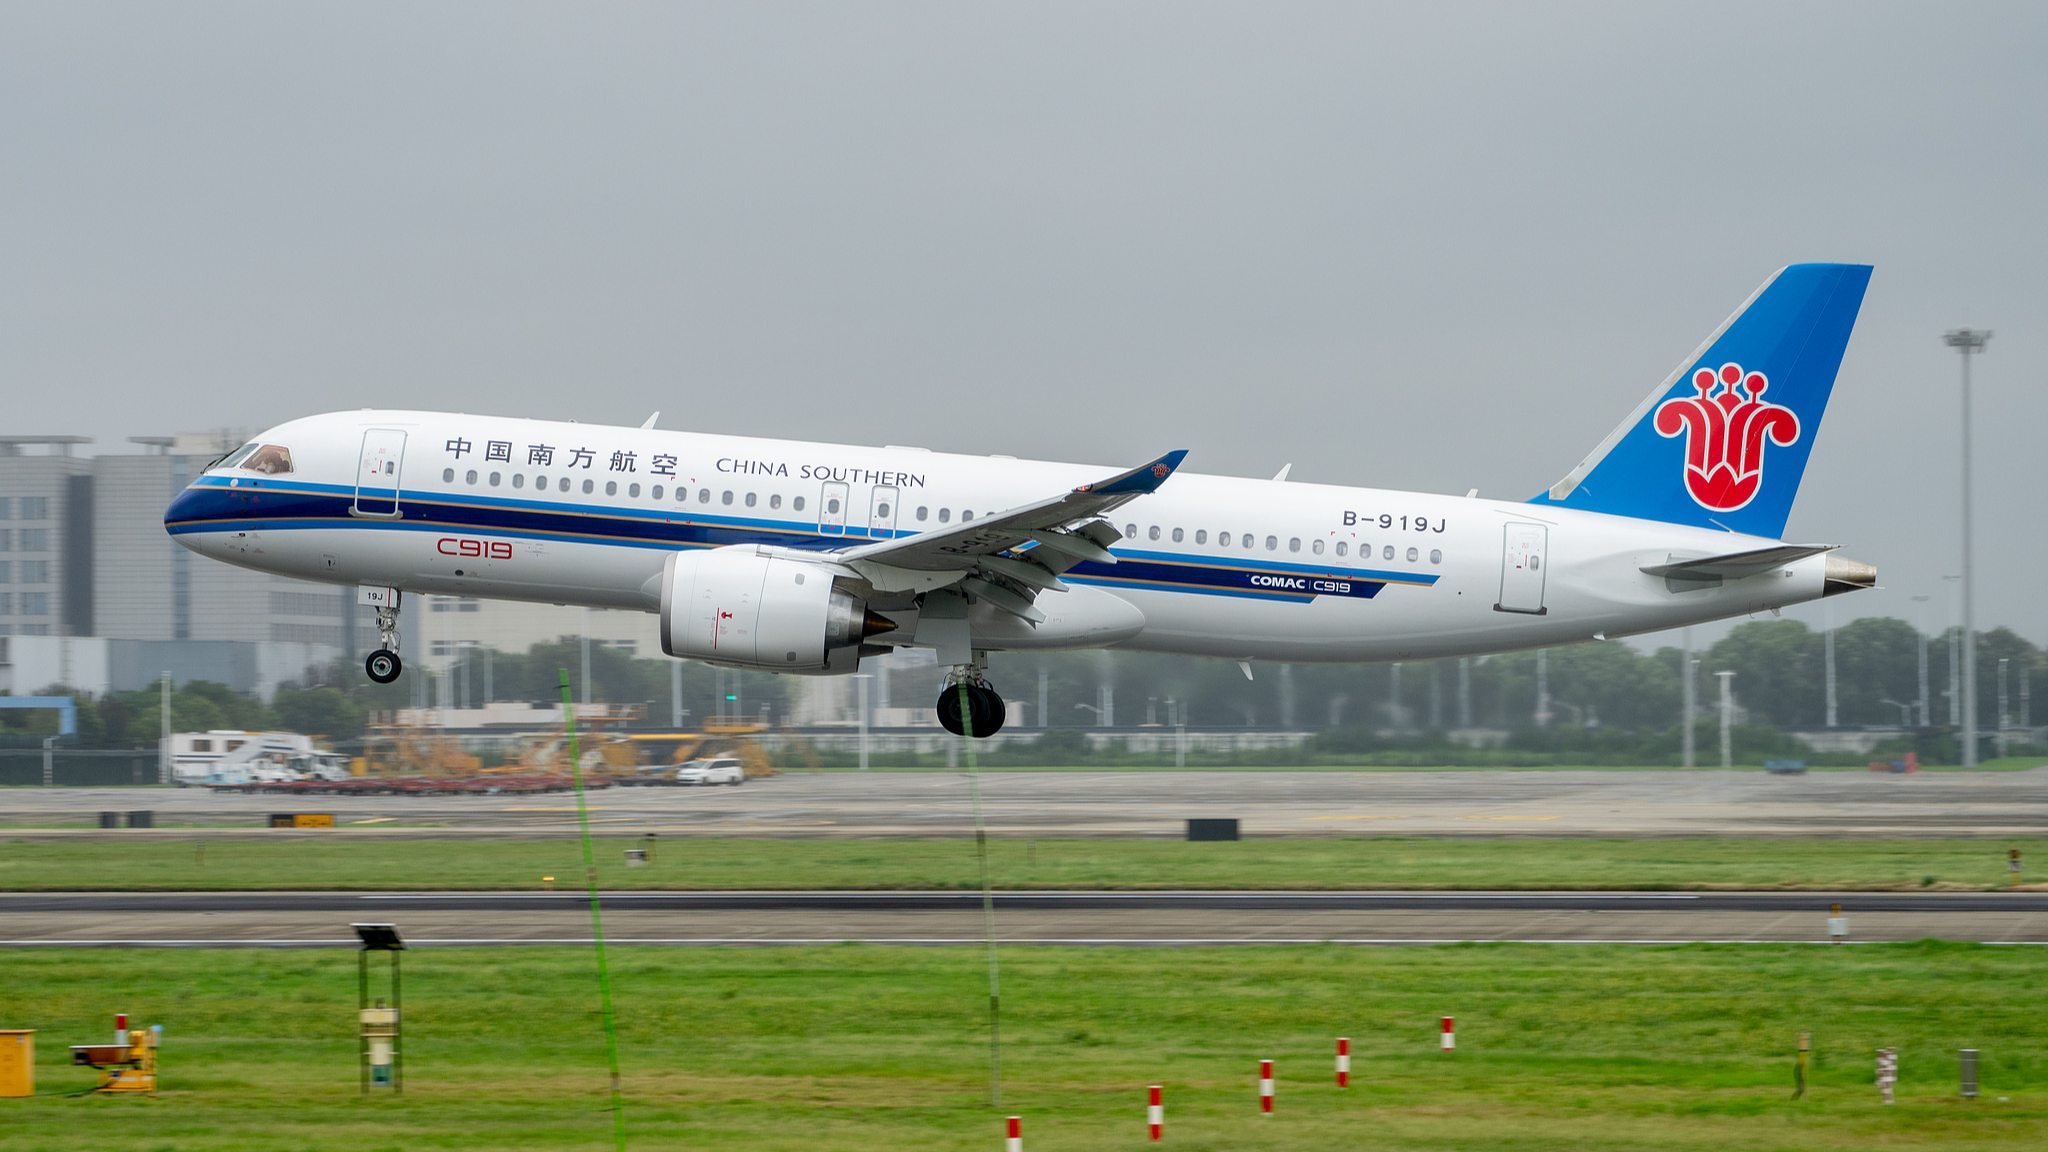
{"x": 1450, "y": 1036}
{"x": 1265, "y": 1086}
{"x": 1343, "y": 1061}
{"x": 1015, "y": 1143}
{"x": 1155, "y": 1113}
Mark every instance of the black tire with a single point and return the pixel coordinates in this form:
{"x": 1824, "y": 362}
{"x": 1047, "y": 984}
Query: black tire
{"x": 383, "y": 666}
{"x": 987, "y": 711}
{"x": 949, "y": 711}
{"x": 988, "y": 720}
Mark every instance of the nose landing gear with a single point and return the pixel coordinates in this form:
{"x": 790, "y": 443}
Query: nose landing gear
{"x": 984, "y": 708}
{"x": 383, "y": 665}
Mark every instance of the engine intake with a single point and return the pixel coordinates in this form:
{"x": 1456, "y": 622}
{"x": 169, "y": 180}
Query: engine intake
{"x": 745, "y": 608}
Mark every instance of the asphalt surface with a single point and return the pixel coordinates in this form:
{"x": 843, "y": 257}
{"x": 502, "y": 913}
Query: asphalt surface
{"x": 317, "y": 919}
{"x": 1091, "y": 804}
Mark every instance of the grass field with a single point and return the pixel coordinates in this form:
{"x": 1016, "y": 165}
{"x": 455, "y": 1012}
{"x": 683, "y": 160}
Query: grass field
{"x": 335, "y": 861}
{"x": 1579, "y": 1047}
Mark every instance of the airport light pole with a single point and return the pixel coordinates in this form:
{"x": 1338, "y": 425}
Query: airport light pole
{"x": 1955, "y": 661}
{"x": 1968, "y": 342}
{"x": 863, "y": 678}
{"x": 1727, "y": 718}
{"x": 1922, "y": 630}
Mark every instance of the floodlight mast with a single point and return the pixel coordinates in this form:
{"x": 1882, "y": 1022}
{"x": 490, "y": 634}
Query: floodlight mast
{"x": 1968, "y": 342}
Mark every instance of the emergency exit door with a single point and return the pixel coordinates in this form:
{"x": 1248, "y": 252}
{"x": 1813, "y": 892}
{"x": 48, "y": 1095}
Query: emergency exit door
{"x": 832, "y": 509}
{"x": 378, "y": 473}
{"x": 1522, "y": 566}
{"x": 882, "y": 512}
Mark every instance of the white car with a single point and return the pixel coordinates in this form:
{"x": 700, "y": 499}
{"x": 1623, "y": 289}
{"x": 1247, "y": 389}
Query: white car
{"x": 712, "y": 772}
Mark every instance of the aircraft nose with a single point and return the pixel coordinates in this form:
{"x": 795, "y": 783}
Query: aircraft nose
{"x": 185, "y": 507}
{"x": 1843, "y": 575}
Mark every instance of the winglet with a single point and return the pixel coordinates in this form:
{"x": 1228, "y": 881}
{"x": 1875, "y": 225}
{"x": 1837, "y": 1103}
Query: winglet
{"x": 1139, "y": 481}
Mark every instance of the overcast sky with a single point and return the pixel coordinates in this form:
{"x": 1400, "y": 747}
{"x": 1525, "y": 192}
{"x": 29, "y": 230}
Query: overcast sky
{"x": 1430, "y": 246}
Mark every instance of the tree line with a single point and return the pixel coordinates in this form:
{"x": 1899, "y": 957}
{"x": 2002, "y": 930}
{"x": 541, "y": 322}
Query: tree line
{"x": 1779, "y": 683}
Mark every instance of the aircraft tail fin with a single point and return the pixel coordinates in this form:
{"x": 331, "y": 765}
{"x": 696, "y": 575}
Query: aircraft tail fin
{"x": 1724, "y": 440}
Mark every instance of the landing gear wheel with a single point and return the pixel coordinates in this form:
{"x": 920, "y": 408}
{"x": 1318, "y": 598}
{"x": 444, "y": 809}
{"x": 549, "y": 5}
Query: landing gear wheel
{"x": 986, "y": 709}
{"x": 383, "y": 666}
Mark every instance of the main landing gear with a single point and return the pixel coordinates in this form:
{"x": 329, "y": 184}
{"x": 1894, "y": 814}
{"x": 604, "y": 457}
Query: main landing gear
{"x": 984, "y": 713}
{"x": 384, "y": 665}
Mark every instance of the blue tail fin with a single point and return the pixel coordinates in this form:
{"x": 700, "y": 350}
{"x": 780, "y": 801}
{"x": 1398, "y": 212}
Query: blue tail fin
{"x": 1724, "y": 440}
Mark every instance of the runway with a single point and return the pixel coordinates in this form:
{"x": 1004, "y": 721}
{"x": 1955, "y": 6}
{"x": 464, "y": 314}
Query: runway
{"x": 1104, "y": 804}
{"x": 321, "y": 919}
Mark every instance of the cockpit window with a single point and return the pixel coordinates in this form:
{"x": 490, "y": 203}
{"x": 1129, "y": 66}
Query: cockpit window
{"x": 234, "y": 458}
{"x": 271, "y": 460}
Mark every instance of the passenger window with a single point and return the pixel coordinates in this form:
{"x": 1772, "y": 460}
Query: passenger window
{"x": 1201, "y": 535}
{"x": 655, "y": 492}
{"x": 611, "y": 487}
{"x": 1413, "y": 556}
{"x": 966, "y": 514}
{"x": 1223, "y": 539}
{"x": 750, "y": 499}
{"x": 447, "y": 475}
{"x": 882, "y": 510}
{"x": 495, "y": 476}
{"x": 1387, "y": 553}
{"x": 270, "y": 460}
{"x": 796, "y": 504}
{"x": 635, "y": 491}
{"x": 726, "y": 497}
{"x": 1176, "y": 535}
{"x": 703, "y": 495}
{"x": 471, "y": 478}
{"x": 1341, "y": 547}
{"x": 588, "y": 486}
{"x": 921, "y": 511}
{"x": 775, "y": 501}
{"x": 563, "y": 484}
{"x": 1294, "y": 544}
{"x": 1248, "y": 541}
{"x": 540, "y": 483}
{"x": 519, "y": 479}
{"x": 945, "y": 514}
{"x": 1152, "y": 533}
{"x": 1436, "y": 555}
{"x": 1316, "y": 546}
{"x": 1130, "y": 531}
{"x": 1272, "y": 543}
{"x": 831, "y": 505}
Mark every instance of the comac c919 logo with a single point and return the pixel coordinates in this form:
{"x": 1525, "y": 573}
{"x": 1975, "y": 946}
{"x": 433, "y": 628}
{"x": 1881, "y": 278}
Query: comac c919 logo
{"x": 490, "y": 549}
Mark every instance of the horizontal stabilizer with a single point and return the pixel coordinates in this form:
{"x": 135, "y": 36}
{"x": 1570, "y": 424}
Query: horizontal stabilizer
{"x": 1736, "y": 565}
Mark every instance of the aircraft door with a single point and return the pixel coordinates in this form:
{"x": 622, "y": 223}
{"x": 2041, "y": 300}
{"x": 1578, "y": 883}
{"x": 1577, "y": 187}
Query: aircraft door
{"x": 832, "y": 508}
{"x": 378, "y": 473}
{"x": 1522, "y": 569}
{"x": 882, "y": 512}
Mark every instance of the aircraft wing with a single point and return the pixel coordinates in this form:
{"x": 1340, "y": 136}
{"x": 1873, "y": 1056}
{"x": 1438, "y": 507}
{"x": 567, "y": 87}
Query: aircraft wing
{"x": 1736, "y": 565}
{"x": 1010, "y": 557}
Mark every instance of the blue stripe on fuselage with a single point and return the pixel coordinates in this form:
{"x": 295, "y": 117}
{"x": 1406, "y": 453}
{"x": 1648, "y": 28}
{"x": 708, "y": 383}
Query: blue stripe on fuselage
{"x": 212, "y": 505}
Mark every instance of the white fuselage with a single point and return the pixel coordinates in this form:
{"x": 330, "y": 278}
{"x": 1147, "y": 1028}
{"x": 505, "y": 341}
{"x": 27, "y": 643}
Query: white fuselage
{"x": 1217, "y": 566}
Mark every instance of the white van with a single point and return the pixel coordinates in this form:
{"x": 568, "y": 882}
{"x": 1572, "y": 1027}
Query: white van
{"x": 720, "y": 771}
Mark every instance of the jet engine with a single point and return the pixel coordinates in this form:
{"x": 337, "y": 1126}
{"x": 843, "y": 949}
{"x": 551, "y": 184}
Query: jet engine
{"x": 745, "y": 607}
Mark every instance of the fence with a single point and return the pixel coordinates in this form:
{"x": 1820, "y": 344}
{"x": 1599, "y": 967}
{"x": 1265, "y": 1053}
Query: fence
{"x": 79, "y": 767}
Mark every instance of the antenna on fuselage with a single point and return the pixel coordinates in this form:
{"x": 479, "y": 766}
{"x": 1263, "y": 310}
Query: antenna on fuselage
{"x": 649, "y": 422}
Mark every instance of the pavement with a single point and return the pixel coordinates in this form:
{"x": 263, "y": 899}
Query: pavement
{"x": 1107, "y": 804}
{"x": 322, "y": 919}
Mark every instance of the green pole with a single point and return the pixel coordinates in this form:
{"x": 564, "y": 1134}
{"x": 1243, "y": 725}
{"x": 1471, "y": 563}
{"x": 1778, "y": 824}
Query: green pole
{"x": 604, "y": 980}
{"x": 988, "y": 909}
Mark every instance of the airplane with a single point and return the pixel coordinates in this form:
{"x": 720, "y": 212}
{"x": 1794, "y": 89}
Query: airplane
{"x": 804, "y": 558}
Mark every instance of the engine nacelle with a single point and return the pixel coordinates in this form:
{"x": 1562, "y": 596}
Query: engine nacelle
{"x": 744, "y": 608}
